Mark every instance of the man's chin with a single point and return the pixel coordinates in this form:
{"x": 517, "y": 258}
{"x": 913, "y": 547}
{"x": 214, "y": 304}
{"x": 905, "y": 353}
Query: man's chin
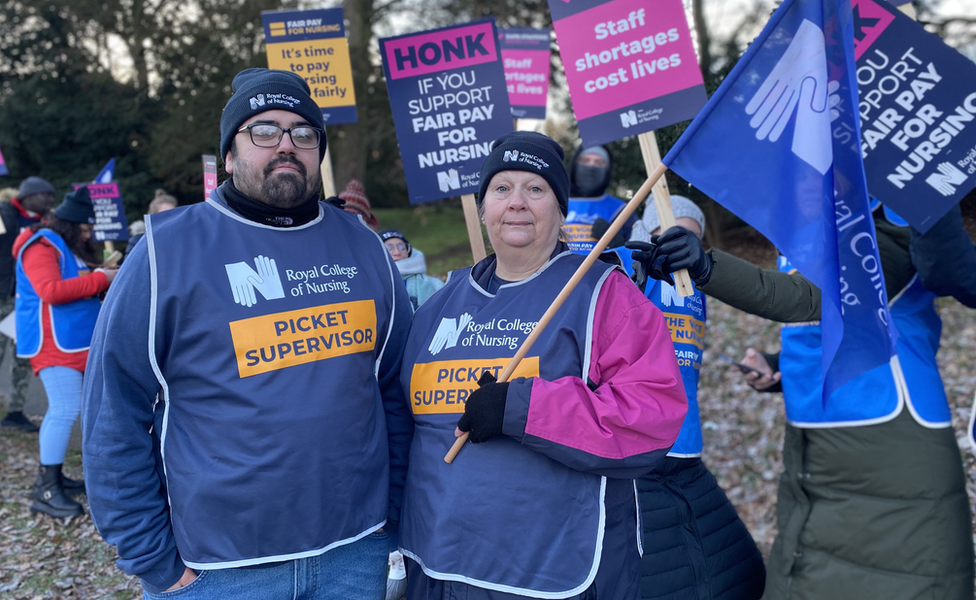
{"x": 285, "y": 190}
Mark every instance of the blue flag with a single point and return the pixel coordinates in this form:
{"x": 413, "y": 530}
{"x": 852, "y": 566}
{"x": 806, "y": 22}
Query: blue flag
{"x": 778, "y": 144}
{"x": 107, "y": 173}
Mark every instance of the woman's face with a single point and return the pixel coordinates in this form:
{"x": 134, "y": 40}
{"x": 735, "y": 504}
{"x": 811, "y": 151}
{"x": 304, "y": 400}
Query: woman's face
{"x": 86, "y": 232}
{"x": 521, "y": 211}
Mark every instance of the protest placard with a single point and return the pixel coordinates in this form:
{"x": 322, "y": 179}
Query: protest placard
{"x": 110, "y": 223}
{"x": 918, "y": 114}
{"x": 525, "y": 55}
{"x": 209, "y": 175}
{"x": 449, "y": 101}
{"x": 630, "y": 65}
{"x": 312, "y": 44}
{"x": 3, "y": 165}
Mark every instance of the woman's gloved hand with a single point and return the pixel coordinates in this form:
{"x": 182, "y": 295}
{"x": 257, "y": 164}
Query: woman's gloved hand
{"x": 682, "y": 249}
{"x": 646, "y": 263}
{"x": 484, "y": 412}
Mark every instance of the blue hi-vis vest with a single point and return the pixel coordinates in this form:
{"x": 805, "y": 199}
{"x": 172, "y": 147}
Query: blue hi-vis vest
{"x": 686, "y": 321}
{"x": 72, "y": 323}
{"x": 912, "y": 379}
{"x": 267, "y": 340}
{"x": 579, "y": 225}
{"x": 501, "y": 517}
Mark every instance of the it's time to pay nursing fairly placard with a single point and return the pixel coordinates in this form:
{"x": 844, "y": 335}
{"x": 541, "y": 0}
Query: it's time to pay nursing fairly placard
{"x": 630, "y": 65}
{"x": 312, "y": 44}
{"x": 450, "y": 102}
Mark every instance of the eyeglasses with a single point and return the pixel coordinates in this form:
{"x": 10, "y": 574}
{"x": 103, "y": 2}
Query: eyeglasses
{"x": 266, "y": 135}
{"x": 400, "y": 247}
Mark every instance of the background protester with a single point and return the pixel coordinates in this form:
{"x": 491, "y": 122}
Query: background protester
{"x": 57, "y": 305}
{"x": 590, "y": 206}
{"x": 358, "y": 204}
{"x": 29, "y": 204}
{"x": 693, "y": 537}
{"x": 597, "y": 402}
{"x": 872, "y": 500}
{"x": 413, "y": 268}
{"x": 160, "y": 203}
{"x": 284, "y": 450}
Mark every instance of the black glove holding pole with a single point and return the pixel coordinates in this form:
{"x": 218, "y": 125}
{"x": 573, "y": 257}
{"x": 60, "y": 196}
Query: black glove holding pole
{"x": 600, "y": 227}
{"x": 484, "y": 411}
{"x": 676, "y": 249}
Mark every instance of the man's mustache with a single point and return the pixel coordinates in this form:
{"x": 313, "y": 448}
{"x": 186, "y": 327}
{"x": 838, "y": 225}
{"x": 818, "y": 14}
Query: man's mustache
{"x": 282, "y": 160}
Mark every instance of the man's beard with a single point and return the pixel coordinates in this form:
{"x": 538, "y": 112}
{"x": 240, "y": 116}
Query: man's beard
{"x": 287, "y": 190}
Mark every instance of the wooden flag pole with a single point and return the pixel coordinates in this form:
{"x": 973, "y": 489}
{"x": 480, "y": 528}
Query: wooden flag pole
{"x": 662, "y": 201}
{"x": 594, "y": 254}
{"x": 473, "y": 222}
{"x": 328, "y": 180}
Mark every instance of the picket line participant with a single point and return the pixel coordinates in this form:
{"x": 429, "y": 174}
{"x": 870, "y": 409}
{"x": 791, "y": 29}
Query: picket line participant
{"x": 872, "y": 500}
{"x": 412, "y": 266}
{"x": 277, "y": 453}
{"x": 58, "y": 284}
{"x": 543, "y": 503}
{"x": 693, "y": 537}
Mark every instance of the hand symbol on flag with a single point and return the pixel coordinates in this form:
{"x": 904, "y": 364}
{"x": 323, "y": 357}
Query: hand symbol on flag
{"x": 244, "y": 280}
{"x": 799, "y": 81}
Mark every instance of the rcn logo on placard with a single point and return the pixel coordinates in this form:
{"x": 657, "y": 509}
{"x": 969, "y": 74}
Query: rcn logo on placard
{"x": 257, "y": 101}
{"x": 447, "y": 333}
{"x": 448, "y": 180}
{"x": 947, "y": 179}
{"x": 263, "y": 277}
{"x": 629, "y": 118}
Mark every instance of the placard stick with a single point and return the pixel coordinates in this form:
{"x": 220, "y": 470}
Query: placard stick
{"x": 328, "y": 180}
{"x": 662, "y": 201}
{"x": 110, "y": 246}
{"x": 591, "y": 258}
{"x": 474, "y": 227}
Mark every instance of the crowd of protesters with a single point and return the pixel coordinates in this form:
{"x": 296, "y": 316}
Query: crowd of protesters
{"x": 280, "y": 436}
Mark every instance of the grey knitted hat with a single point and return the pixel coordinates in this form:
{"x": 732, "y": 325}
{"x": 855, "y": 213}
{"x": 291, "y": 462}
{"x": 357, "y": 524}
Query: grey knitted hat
{"x": 681, "y": 206}
{"x": 35, "y": 185}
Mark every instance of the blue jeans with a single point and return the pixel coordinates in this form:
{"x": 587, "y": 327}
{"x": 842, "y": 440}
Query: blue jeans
{"x": 63, "y": 388}
{"x": 355, "y": 571}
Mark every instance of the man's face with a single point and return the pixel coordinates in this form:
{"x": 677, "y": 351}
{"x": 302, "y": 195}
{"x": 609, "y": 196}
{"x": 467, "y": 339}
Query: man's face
{"x": 591, "y": 159}
{"x": 283, "y": 176}
{"x": 38, "y": 203}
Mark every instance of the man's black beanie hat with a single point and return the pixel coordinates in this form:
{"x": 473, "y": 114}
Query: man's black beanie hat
{"x": 259, "y": 90}
{"x": 77, "y": 207}
{"x": 528, "y": 151}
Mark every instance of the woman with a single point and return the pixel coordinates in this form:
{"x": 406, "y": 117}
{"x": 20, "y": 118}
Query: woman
{"x": 57, "y": 306}
{"x": 543, "y": 504}
{"x": 413, "y": 268}
{"x": 699, "y": 542}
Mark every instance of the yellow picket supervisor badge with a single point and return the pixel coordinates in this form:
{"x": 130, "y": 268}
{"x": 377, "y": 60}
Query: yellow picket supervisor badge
{"x": 281, "y": 340}
{"x": 443, "y": 386}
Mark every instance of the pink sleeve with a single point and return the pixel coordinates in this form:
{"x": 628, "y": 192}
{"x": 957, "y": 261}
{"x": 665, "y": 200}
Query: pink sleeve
{"x": 639, "y": 402}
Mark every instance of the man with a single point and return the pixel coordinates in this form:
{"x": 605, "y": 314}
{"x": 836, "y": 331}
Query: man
{"x": 34, "y": 199}
{"x": 278, "y": 432}
{"x": 591, "y": 208}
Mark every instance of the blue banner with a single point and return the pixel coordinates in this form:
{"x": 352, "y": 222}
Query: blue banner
{"x": 769, "y": 147}
{"x": 450, "y": 102}
{"x": 107, "y": 174}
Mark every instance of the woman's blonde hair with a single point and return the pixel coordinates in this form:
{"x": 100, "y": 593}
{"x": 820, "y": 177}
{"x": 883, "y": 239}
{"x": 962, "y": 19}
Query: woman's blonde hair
{"x": 162, "y": 199}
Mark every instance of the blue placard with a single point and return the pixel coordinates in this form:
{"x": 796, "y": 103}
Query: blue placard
{"x": 449, "y": 101}
{"x": 918, "y": 114}
{"x": 110, "y": 223}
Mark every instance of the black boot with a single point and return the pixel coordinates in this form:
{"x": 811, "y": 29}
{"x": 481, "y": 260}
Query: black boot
{"x": 49, "y": 497}
{"x": 17, "y": 420}
{"x": 72, "y": 487}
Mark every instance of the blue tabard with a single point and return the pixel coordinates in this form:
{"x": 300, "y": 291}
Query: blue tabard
{"x": 72, "y": 323}
{"x": 272, "y": 429}
{"x": 875, "y": 396}
{"x": 501, "y": 517}
{"x": 579, "y": 224}
{"x": 686, "y": 321}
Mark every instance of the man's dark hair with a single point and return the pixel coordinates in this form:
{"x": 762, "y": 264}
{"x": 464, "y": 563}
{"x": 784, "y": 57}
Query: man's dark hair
{"x": 71, "y": 234}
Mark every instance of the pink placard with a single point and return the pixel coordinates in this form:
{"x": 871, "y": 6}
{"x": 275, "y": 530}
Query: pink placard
{"x": 209, "y": 175}
{"x": 527, "y": 76}
{"x": 624, "y": 52}
{"x": 441, "y": 50}
{"x": 870, "y": 20}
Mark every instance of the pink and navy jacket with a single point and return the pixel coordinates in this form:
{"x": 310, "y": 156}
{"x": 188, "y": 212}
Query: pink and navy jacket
{"x": 549, "y": 508}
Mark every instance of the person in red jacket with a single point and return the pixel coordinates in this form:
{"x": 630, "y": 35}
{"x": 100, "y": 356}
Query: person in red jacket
{"x": 58, "y": 284}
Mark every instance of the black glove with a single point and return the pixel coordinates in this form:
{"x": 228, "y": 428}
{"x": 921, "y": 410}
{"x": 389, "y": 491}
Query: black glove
{"x": 484, "y": 411}
{"x": 682, "y": 249}
{"x": 600, "y": 227}
{"x": 647, "y": 262}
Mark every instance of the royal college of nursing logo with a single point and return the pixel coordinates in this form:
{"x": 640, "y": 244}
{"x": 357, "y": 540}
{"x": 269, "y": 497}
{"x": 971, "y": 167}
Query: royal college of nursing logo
{"x": 263, "y": 277}
{"x": 447, "y": 333}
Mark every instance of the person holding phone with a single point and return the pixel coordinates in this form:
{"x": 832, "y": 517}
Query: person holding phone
{"x": 693, "y": 537}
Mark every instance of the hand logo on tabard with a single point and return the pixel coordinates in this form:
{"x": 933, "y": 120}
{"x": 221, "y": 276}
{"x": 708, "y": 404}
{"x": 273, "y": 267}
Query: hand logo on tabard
{"x": 448, "y": 332}
{"x": 798, "y": 84}
{"x": 244, "y": 280}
